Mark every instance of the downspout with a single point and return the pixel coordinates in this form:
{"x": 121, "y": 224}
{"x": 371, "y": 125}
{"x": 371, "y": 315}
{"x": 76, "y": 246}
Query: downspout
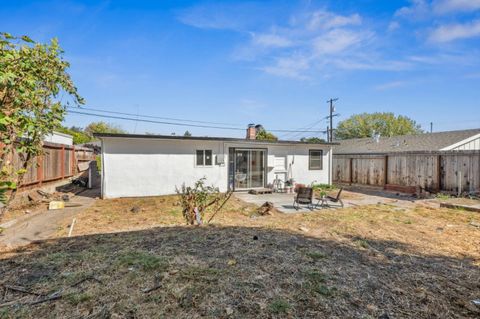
{"x": 102, "y": 184}
{"x": 330, "y": 165}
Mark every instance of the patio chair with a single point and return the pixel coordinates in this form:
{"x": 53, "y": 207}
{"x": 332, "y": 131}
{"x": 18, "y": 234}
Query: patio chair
{"x": 336, "y": 199}
{"x": 304, "y": 197}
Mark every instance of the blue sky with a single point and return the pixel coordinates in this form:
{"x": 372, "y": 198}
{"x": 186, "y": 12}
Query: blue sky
{"x": 269, "y": 62}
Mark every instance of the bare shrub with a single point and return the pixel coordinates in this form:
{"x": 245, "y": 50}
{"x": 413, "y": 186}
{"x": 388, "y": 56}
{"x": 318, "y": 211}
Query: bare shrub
{"x": 200, "y": 200}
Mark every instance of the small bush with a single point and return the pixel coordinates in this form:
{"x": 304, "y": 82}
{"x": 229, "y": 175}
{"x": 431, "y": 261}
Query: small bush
{"x": 324, "y": 187}
{"x": 199, "y": 199}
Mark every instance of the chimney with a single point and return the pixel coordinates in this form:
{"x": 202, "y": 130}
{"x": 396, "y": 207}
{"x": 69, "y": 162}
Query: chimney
{"x": 251, "y": 132}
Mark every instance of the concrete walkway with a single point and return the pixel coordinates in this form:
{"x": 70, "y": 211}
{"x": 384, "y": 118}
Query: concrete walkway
{"x": 43, "y": 224}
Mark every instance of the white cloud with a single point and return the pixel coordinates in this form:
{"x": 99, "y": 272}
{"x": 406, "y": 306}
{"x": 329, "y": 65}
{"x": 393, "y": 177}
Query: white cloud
{"x": 328, "y": 20}
{"x": 335, "y": 41}
{"x": 291, "y": 67}
{"x": 271, "y": 40}
{"x": 452, "y": 32}
{"x": 390, "y": 85}
{"x": 418, "y": 9}
{"x": 450, "y": 6}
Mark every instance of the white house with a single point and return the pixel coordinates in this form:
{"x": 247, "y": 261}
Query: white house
{"x": 59, "y": 138}
{"x": 149, "y": 165}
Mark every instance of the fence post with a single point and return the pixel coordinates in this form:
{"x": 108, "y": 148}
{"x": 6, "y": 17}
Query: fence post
{"x": 74, "y": 160}
{"x": 62, "y": 162}
{"x": 385, "y": 172}
{"x": 439, "y": 173}
{"x": 40, "y": 169}
{"x": 351, "y": 170}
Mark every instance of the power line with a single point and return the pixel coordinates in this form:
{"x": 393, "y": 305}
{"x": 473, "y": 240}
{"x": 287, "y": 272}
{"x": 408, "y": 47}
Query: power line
{"x": 179, "y": 124}
{"x": 305, "y": 130}
{"x": 151, "y": 116}
{"x": 306, "y": 127}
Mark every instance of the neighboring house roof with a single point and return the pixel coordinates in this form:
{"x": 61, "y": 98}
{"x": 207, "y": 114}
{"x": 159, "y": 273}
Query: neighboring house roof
{"x": 200, "y": 138}
{"x": 407, "y": 143}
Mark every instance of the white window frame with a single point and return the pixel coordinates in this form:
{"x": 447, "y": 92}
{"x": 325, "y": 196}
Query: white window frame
{"x": 203, "y": 154}
{"x": 310, "y": 168}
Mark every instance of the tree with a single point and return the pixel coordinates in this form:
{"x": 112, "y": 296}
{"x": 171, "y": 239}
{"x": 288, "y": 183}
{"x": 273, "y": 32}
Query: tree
{"x": 263, "y": 135}
{"x": 385, "y": 124}
{"x": 102, "y": 127}
{"x": 312, "y": 140}
{"x": 32, "y": 76}
{"x": 79, "y": 136}
{"x": 187, "y": 133}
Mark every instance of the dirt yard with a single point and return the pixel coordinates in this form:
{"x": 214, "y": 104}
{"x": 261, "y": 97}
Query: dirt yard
{"x": 374, "y": 261}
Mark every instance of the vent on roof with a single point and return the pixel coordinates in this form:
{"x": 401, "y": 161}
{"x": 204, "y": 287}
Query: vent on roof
{"x": 376, "y": 136}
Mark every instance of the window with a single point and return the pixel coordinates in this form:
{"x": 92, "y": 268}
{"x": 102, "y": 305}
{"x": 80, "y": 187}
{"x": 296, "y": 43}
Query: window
{"x": 315, "y": 161}
{"x": 204, "y": 158}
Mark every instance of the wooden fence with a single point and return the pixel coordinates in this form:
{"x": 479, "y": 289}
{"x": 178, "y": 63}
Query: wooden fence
{"x": 434, "y": 171}
{"x": 58, "y": 162}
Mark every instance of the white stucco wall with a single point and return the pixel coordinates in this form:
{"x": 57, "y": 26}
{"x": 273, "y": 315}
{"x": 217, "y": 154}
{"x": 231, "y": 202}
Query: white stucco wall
{"x": 59, "y": 138}
{"x": 134, "y": 167}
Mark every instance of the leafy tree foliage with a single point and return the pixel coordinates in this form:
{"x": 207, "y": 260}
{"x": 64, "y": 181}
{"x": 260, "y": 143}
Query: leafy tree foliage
{"x": 32, "y": 76}
{"x": 264, "y": 135}
{"x": 312, "y": 140}
{"x": 79, "y": 136}
{"x": 103, "y": 127}
{"x": 187, "y": 133}
{"x": 385, "y": 124}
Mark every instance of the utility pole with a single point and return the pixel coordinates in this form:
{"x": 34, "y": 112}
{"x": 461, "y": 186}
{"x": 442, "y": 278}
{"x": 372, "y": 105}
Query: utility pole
{"x": 330, "y": 117}
{"x": 431, "y": 127}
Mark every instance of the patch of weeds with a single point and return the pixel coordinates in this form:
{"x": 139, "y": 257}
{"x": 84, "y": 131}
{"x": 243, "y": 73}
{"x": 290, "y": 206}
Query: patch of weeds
{"x": 197, "y": 273}
{"x": 362, "y": 243}
{"x": 279, "y": 306}
{"x": 58, "y": 258}
{"x": 316, "y": 283}
{"x": 78, "y": 298}
{"x": 408, "y": 222}
{"x": 316, "y": 255}
{"x": 316, "y": 277}
{"x": 324, "y": 187}
{"x": 324, "y": 290}
{"x": 175, "y": 213}
{"x": 156, "y": 299}
{"x": 20, "y": 312}
{"x": 442, "y": 196}
{"x": 143, "y": 260}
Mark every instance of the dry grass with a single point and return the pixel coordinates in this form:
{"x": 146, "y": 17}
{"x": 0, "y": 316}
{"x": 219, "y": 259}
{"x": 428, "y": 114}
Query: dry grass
{"x": 352, "y": 263}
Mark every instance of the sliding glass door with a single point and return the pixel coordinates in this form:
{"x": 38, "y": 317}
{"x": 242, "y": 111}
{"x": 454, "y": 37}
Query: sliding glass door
{"x": 249, "y": 168}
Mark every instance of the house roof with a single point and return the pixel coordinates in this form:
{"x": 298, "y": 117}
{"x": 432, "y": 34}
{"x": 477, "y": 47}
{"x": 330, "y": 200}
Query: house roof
{"x": 404, "y": 143}
{"x": 203, "y": 138}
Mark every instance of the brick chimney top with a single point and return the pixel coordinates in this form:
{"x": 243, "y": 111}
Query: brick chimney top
{"x": 251, "y": 132}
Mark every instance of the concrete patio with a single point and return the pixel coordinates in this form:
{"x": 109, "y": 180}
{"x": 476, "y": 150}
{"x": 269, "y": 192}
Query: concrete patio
{"x": 282, "y": 201}
{"x": 351, "y": 197}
